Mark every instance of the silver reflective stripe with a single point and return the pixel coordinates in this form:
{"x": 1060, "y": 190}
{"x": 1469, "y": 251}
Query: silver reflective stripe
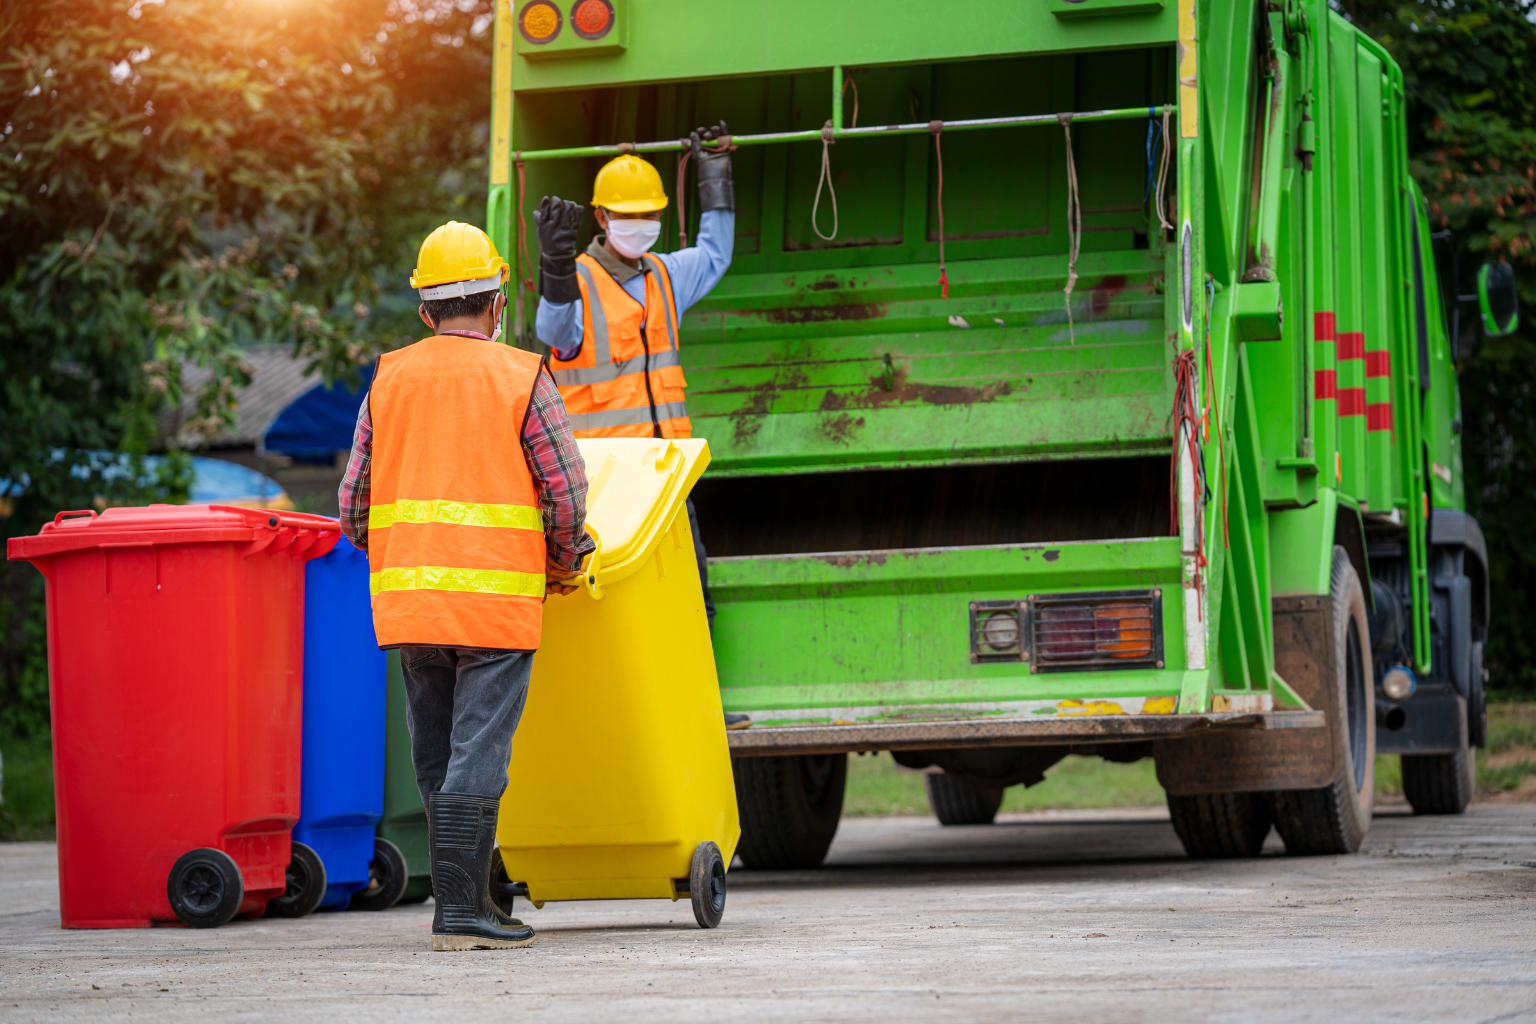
{"x": 599, "y": 318}
{"x": 458, "y": 289}
{"x": 626, "y": 417}
{"x": 605, "y": 372}
{"x": 668, "y": 306}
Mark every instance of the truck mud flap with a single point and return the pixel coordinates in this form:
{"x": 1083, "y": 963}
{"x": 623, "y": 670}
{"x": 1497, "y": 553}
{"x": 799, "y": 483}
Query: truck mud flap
{"x": 1251, "y": 761}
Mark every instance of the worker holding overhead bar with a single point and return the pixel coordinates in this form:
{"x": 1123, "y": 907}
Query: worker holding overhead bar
{"x": 467, "y": 490}
{"x": 611, "y": 314}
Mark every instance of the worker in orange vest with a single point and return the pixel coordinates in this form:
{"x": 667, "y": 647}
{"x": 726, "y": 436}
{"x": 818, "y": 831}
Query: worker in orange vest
{"x": 467, "y": 491}
{"x": 611, "y": 314}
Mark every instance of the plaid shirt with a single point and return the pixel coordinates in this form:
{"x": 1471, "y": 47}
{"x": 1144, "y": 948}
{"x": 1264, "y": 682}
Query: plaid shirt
{"x": 558, "y": 472}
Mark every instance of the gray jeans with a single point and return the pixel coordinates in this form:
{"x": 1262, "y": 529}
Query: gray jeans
{"x": 463, "y": 705}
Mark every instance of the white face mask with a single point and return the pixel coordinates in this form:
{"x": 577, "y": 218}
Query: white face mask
{"x": 633, "y": 237}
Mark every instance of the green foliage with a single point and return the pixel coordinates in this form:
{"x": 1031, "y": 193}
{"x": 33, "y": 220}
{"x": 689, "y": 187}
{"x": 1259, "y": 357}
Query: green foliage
{"x": 27, "y": 812}
{"x": 180, "y": 180}
{"x": 1470, "y": 71}
{"x": 876, "y": 786}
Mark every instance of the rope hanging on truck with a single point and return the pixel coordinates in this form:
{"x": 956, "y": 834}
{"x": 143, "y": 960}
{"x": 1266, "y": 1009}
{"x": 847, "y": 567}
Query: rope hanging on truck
{"x": 1074, "y": 225}
{"x": 848, "y": 83}
{"x": 825, "y": 178}
{"x": 1186, "y": 432}
{"x": 937, "y": 128}
{"x": 682, "y": 209}
{"x": 1162, "y": 178}
{"x": 522, "y": 228}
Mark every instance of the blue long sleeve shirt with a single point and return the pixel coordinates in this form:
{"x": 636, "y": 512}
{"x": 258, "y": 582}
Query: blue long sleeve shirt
{"x": 694, "y": 271}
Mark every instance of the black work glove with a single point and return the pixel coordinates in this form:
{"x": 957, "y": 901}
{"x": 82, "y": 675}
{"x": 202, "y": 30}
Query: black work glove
{"x": 716, "y": 191}
{"x": 558, "y": 220}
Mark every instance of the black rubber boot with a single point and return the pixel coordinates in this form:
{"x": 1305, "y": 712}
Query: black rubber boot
{"x": 463, "y": 832}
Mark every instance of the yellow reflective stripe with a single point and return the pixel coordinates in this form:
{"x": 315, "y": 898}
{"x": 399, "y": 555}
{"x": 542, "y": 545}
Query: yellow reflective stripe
{"x": 455, "y": 513}
{"x": 463, "y": 581}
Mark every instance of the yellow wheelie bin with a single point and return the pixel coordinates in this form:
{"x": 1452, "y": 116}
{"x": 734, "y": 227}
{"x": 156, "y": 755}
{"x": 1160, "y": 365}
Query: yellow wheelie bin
{"x": 620, "y": 782}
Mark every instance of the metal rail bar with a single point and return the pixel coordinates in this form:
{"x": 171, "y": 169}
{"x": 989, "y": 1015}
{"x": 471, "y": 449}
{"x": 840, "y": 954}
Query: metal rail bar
{"x": 915, "y": 128}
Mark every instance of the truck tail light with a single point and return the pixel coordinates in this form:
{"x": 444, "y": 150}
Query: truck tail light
{"x": 1075, "y": 632}
{"x": 592, "y": 18}
{"x": 1071, "y": 632}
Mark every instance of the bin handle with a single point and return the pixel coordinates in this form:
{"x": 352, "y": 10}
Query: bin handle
{"x": 320, "y": 524}
{"x": 589, "y": 571}
{"x": 78, "y": 512}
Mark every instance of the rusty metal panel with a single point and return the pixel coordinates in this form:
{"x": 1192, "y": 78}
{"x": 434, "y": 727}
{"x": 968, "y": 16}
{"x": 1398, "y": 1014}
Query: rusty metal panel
{"x": 1013, "y": 732}
{"x": 1252, "y": 762}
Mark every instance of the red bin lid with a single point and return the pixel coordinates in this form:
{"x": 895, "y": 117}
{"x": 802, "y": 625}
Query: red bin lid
{"x": 172, "y": 524}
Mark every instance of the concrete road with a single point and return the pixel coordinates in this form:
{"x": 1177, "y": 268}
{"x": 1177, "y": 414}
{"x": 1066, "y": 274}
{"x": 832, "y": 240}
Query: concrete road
{"x": 1080, "y": 916}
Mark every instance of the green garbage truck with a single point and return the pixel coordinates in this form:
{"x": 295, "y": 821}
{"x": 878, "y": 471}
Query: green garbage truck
{"x": 1082, "y": 383}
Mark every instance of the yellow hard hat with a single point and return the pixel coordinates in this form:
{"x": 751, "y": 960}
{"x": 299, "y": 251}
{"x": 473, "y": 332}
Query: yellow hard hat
{"x": 628, "y": 184}
{"x": 458, "y": 259}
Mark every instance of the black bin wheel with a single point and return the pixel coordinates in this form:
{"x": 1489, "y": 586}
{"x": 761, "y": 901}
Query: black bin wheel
{"x": 306, "y": 885}
{"x": 706, "y": 885}
{"x": 387, "y": 878}
{"x": 205, "y": 888}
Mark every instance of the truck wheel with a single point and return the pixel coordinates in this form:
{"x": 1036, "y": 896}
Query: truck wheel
{"x": 959, "y": 803}
{"x": 789, "y": 808}
{"x": 1440, "y": 783}
{"x": 386, "y": 878}
{"x": 306, "y": 885}
{"x": 1334, "y": 819}
{"x": 1217, "y": 825}
{"x": 1477, "y": 706}
{"x": 205, "y": 888}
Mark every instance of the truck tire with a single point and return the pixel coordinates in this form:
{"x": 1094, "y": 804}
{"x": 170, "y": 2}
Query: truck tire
{"x": 1334, "y": 819}
{"x": 959, "y": 803}
{"x": 1214, "y": 826}
{"x": 1477, "y": 704}
{"x": 789, "y": 808}
{"x": 1440, "y": 783}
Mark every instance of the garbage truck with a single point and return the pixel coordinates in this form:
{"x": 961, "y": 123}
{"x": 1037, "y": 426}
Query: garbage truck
{"x": 1082, "y": 384}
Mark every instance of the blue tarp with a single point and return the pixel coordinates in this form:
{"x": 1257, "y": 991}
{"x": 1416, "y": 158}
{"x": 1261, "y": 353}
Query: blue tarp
{"x": 214, "y": 481}
{"x": 217, "y": 482}
{"x": 319, "y": 422}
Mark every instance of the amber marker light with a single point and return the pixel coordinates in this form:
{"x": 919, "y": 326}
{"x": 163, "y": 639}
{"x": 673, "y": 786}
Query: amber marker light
{"x": 592, "y": 19}
{"x": 539, "y": 22}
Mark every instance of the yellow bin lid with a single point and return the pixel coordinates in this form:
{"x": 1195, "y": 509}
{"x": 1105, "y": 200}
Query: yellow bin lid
{"x": 635, "y": 488}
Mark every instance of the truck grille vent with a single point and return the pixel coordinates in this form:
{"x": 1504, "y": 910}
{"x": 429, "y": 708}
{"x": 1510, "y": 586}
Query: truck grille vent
{"x": 1077, "y": 632}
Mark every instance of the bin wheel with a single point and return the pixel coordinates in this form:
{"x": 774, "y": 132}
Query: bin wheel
{"x": 306, "y": 885}
{"x": 205, "y": 888}
{"x": 706, "y": 885}
{"x": 387, "y": 878}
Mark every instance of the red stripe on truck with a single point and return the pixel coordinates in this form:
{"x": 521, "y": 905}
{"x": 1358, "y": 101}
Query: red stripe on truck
{"x": 1351, "y": 345}
{"x": 1378, "y": 363}
{"x": 1325, "y": 384}
{"x": 1322, "y": 326}
{"x": 1351, "y": 401}
{"x": 1378, "y": 416}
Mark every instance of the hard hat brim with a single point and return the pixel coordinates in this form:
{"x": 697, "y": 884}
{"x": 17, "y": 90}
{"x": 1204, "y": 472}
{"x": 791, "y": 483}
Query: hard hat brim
{"x": 637, "y": 205}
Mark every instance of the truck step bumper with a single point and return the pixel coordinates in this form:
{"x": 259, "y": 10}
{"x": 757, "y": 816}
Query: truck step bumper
{"x": 778, "y": 740}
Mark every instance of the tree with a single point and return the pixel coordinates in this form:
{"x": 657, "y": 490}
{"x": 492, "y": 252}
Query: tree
{"x": 181, "y": 179}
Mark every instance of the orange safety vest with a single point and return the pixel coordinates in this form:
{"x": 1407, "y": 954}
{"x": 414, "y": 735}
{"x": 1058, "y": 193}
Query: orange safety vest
{"x": 625, "y": 347}
{"x": 455, "y": 534}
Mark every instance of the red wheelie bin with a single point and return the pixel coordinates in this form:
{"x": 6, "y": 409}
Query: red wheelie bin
{"x": 175, "y": 672}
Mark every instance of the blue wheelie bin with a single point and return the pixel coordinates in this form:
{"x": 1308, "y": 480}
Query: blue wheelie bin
{"x": 337, "y": 860}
